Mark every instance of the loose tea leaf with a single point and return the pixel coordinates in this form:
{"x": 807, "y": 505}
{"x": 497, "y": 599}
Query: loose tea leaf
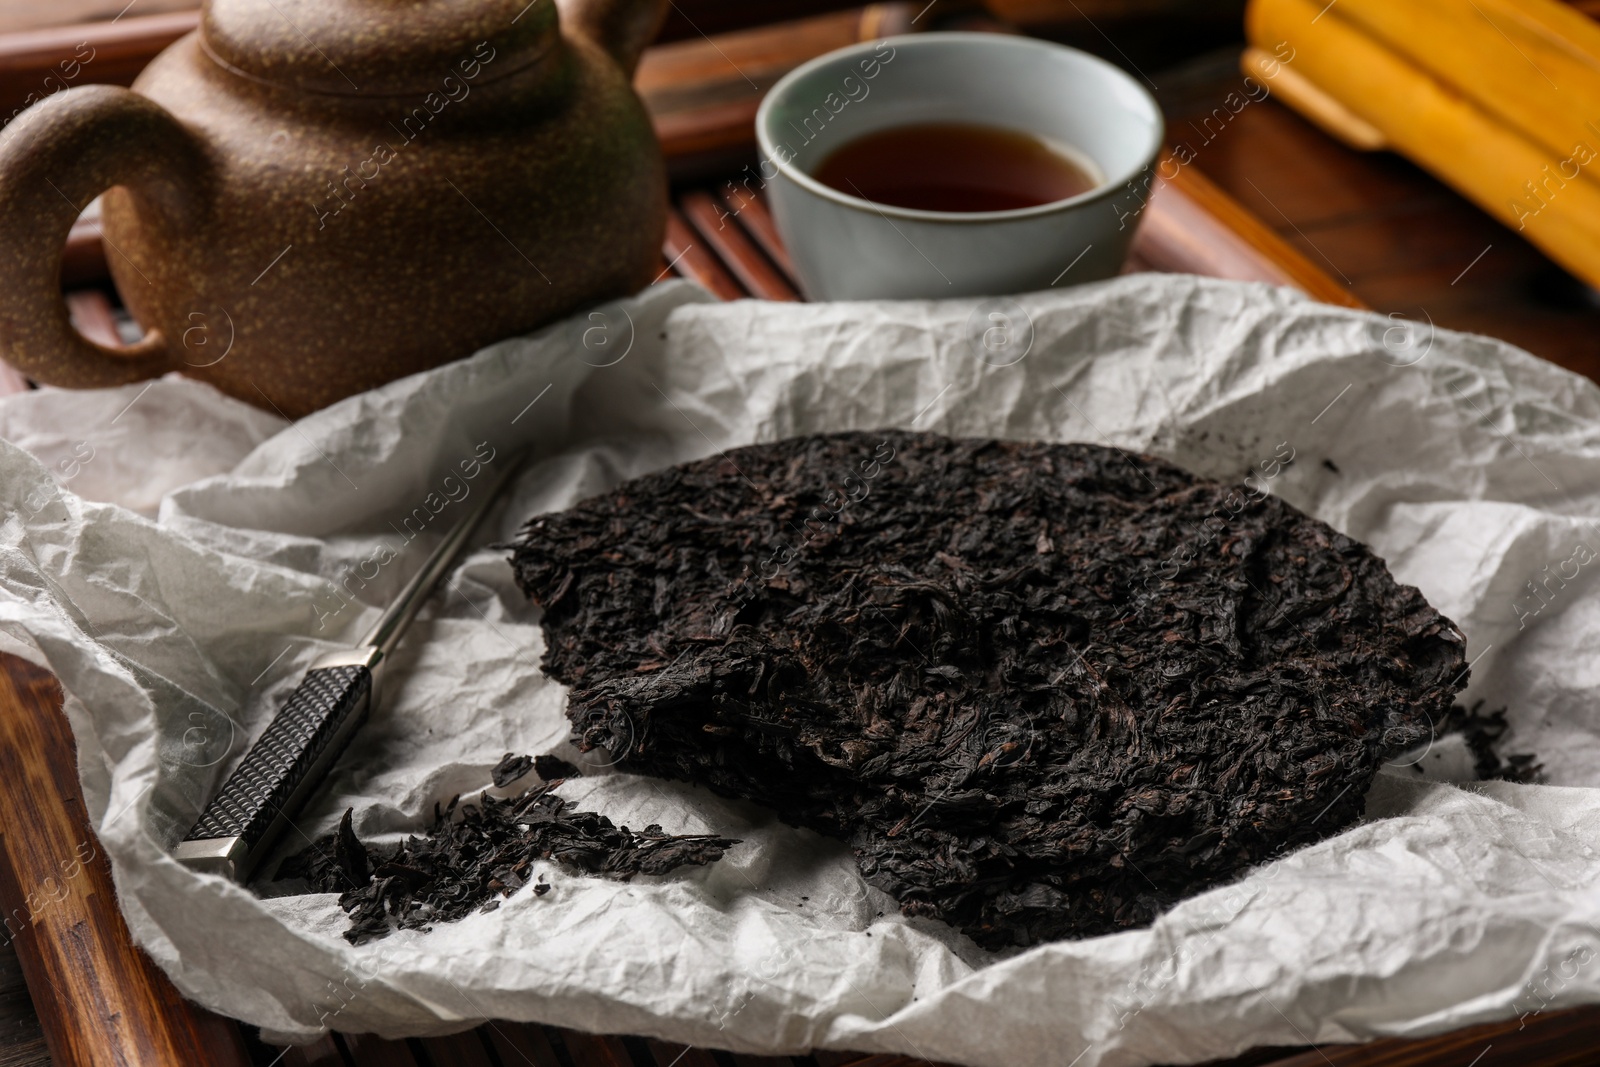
{"x": 1482, "y": 733}
{"x": 464, "y": 864}
{"x": 510, "y": 768}
{"x": 549, "y": 768}
{"x": 1041, "y": 690}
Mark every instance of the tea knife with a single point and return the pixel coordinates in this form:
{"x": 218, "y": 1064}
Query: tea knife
{"x": 293, "y": 757}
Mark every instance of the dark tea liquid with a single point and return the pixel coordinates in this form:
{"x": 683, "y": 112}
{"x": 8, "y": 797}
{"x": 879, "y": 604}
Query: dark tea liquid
{"x": 948, "y": 166}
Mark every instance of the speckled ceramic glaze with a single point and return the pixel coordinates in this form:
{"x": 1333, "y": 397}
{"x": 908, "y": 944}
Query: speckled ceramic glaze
{"x": 313, "y": 197}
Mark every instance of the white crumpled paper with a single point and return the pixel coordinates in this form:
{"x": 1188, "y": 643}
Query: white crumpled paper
{"x": 180, "y": 611}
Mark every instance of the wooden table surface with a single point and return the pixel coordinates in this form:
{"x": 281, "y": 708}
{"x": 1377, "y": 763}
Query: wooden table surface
{"x": 1268, "y": 197}
{"x": 1385, "y": 230}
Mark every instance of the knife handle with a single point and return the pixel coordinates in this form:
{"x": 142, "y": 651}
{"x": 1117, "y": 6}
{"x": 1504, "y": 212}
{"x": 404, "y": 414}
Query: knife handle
{"x": 265, "y": 793}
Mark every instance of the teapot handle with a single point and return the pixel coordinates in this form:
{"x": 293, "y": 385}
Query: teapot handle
{"x": 54, "y": 158}
{"x": 621, "y": 27}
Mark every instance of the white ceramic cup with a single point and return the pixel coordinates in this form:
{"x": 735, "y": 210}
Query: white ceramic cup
{"x": 848, "y": 248}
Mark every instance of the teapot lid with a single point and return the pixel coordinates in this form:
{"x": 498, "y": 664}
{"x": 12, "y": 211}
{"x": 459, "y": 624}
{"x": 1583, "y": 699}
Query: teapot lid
{"x": 375, "y": 47}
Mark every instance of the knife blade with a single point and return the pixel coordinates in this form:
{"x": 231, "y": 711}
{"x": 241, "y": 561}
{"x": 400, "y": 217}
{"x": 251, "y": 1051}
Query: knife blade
{"x": 292, "y": 758}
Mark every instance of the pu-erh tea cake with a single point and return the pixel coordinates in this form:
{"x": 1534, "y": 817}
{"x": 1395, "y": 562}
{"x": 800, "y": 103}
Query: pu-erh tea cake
{"x": 1042, "y": 691}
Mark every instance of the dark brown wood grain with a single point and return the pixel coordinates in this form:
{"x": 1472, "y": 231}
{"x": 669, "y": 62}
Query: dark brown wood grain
{"x": 38, "y": 63}
{"x": 100, "y": 1000}
{"x": 698, "y": 19}
{"x": 21, "y": 1040}
{"x": 369, "y": 1050}
{"x": 593, "y": 1050}
{"x": 324, "y": 1052}
{"x": 720, "y": 229}
{"x": 753, "y": 215}
{"x": 692, "y": 257}
{"x": 688, "y": 76}
{"x": 465, "y": 1049}
{"x": 1384, "y": 230}
{"x": 670, "y": 1054}
{"x": 703, "y": 93}
{"x": 1192, "y": 226}
{"x": 1563, "y": 1039}
{"x": 521, "y": 1045}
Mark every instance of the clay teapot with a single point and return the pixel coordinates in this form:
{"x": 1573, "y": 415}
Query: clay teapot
{"x": 307, "y": 198}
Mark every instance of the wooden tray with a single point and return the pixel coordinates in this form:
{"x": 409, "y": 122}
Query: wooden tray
{"x": 101, "y": 1001}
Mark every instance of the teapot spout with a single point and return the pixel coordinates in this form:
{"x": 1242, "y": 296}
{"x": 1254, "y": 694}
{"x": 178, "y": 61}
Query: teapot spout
{"x": 622, "y": 27}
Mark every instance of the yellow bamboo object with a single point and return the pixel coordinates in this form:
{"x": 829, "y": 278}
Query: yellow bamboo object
{"x": 1533, "y": 63}
{"x": 1305, "y": 97}
{"x": 1503, "y": 170}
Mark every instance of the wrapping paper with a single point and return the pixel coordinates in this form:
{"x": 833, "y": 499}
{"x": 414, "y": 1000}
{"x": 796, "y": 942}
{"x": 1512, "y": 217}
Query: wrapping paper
{"x": 178, "y": 558}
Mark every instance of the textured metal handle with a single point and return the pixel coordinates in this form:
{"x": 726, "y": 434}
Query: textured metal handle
{"x": 266, "y": 791}
{"x": 262, "y": 797}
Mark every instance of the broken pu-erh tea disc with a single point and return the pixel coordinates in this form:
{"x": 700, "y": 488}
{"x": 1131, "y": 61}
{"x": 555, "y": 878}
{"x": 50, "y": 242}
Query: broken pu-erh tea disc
{"x": 1042, "y": 691}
